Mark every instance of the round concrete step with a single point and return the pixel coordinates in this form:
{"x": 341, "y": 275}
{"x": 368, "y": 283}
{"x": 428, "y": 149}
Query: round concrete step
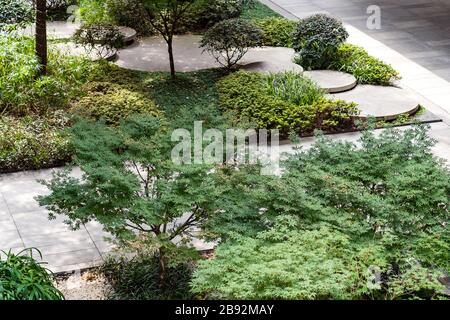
{"x": 129, "y": 34}
{"x": 383, "y": 103}
{"x": 332, "y": 81}
{"x": 270, "y": 60}
{"x": 70, "y": 48}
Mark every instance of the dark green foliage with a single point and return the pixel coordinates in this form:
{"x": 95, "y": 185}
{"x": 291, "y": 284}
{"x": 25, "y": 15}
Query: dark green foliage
{"x": 367, "y": 69}
{"x": 277, "y": 32}
{"x": 102, "y": 39}
{"x": 57, "y": 9}
{"x": 113, "y": 103}
{"x": 23, "y": 278}
{"x": 15, "y": 14}
{"x": 248, "y": 98}
{"x": 131, "y": 13}
{"x": 256, "y": 10}
{"x": 316, "y": 40}
{"x": 131, "y": 186}
{"x": 138, "y": 279}
{"x": 33, "y": 143}
{"x": 211, "y": 12}
{"x": 379, "y": 222}
{"x": 228, "y": 41}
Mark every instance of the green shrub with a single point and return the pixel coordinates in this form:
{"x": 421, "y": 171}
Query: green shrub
{"x": 94, "y": 11}
{"x": 294, "y": 88}
{"x": 256, "y": 10}
{"x": 22, "y": 92}
{"x": 316, "y": 40}
{"x": 138, "y": 279}
{"x": 57, "y": 9}
{"x": 33, "y": 143}
{"x": 277, "y": 32}
{"x": 228, "y": 41}
{"x": 15, "y": 14}
{"x": 367, "y": 69}
{"x": 248, "y": 98}
{"x": 213, "y": 11}
{"x": 23, "y": 278}
{"x": 102, "y": 39}
{"x": 131, "y": 13}
{"x": 112, "y": 102}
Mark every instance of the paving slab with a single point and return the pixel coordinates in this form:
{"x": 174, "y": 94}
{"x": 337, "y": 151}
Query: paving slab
{"x": 332, "y": 81}
{"x": 383, "y": 103}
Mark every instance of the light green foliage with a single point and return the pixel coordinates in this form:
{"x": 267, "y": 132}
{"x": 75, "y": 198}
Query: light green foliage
{"x": 21, "y": 93}
{"x": 32, "y": 143}
{"x": 228, "y": 41}
{"x": 131, "y": 186}
{"x": 284, "y": 262}
{"x": 316, "y": 40}
{"x": 275, "y": 103}
{"x": 15, "y": 14}
{"x": 94, "y": 12}
{"x": 113, "y": 103}
{"x": 367, "y": 69}
{"x": 23, "y": 278}
{"x": 388, "y": 197}
{"x": 277, "y": 32}
{"x": 294, "y": 88}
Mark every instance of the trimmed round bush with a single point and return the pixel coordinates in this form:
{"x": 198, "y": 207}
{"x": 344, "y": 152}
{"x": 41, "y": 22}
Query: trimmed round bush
{"x": 112, "y": 103}
{"x": 252, "y": 98}
{"x": 316, "y": 40}
{"x": 229, "y": 40}
{"x": 277, "y": 32}
{"x": 102, "y": 39}
{"x": 214, "y": 11}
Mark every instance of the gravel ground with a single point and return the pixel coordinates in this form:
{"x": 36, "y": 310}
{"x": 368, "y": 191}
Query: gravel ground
{"x": 88, "y": 285}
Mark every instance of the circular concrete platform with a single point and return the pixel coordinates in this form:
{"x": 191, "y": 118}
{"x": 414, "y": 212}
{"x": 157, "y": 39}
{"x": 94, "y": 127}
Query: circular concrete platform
{"x": 332, "y": 81}
{"x": 270, "y": 60}
{"x": 383, "y": 103}
{"x": 71, "y": 48}
{"x": 129, "y": 34}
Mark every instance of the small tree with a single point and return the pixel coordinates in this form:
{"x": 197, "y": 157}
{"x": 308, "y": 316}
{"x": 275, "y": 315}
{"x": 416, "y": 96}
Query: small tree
{"x": 131, "y": 186}
{"x": 166, "y": 16}
{"x": 228, "y": 41}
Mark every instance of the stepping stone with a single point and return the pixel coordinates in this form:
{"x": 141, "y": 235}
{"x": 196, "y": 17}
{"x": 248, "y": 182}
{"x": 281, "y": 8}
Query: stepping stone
{"x": 271, "y": 67}
{"x": 129, "y": 34}
{"x": 383, "y": 103}
{"x": 332, "y": 81}
{"x": 270, "y": 60}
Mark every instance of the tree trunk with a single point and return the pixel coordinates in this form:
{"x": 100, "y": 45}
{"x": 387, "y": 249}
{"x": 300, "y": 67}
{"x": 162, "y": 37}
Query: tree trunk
{"x": 172, "y": 62}
{"x": 162, "y": 268}
{"x": 41, "y": 35}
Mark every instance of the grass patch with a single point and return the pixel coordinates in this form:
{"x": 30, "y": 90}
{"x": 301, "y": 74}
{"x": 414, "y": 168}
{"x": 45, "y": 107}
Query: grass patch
{"x": 258, "y": 11}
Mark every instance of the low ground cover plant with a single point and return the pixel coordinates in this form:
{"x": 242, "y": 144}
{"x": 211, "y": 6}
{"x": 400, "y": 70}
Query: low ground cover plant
{"x": 274, "y": 102}
{"x": 277, "y": 31}
{"x": 367, "y": 69}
